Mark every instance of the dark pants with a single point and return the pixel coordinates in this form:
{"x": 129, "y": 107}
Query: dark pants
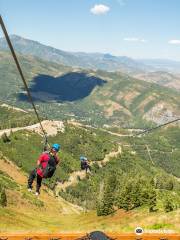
{"x": 85, "y": 166}
{"x": 31, "y": 178}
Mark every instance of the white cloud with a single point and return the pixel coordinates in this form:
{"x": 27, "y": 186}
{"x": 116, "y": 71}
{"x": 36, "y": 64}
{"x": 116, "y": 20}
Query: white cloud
{"x": 174, "y": 41}
{"x": 133, "y": 39}
{"x": 99, "y": 9}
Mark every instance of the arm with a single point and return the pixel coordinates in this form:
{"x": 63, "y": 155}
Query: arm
{"x": 57, "y": 160}
{"x": 39, "y": 160}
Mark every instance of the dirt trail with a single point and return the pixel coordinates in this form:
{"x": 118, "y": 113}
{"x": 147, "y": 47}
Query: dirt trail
{"x": 131, "y": 130}
{"x": 73, "y": 179}
{"x": 51, "y": 128}
{"x": 110, "y": 155}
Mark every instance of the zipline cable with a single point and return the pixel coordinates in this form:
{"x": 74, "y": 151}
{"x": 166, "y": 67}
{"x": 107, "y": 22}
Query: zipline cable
{"x": 154, "y": 128}
{"x": 22, "y": 77}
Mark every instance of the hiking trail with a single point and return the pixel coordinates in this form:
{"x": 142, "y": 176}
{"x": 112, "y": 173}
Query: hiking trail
{"x": 75, "y": 176}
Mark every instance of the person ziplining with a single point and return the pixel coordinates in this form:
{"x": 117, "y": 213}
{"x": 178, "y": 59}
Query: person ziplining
{"x": 46, "y": 167}
{"x": 85, "y": 164}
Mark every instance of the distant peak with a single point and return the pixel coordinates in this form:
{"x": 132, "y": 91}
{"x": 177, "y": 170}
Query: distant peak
{"x": 14, "y": 36}
{"x": 109, "y": 56}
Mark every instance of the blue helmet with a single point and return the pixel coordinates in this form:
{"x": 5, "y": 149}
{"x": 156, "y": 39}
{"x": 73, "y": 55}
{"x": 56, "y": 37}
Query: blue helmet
{"x": 82, "y": 158}
{"x": 56, "y": 146}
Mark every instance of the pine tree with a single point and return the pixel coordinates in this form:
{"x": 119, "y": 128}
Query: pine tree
{"x": 168, "y": 205}
{"x": 3, "y": 199}
{"x": 105, "y": 206}
{"x": 152, "y": 200}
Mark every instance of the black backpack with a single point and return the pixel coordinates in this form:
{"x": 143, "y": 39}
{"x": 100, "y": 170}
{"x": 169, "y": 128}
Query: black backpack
{"x": 97, "y": 235}
{"x": 49, "y": 170}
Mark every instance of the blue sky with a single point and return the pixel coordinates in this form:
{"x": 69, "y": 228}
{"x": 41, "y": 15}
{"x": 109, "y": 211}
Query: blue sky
{"x": 135, "y": 28}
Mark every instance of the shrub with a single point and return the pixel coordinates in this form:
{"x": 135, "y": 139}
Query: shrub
{"x": 5, "y": 138}
{"x": 169, "y": 205}
{"x": 3, "y": 198}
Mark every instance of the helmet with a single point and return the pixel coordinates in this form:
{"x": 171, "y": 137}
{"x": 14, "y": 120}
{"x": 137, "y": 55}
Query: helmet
{"x": 82, "y": 158}
{"x": 56, "y": 146}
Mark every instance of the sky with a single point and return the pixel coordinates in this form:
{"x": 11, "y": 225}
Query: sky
{"x": 133, "y": 28}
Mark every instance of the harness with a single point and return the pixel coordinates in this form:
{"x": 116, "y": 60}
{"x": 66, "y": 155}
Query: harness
{"x": 50, "y": 168}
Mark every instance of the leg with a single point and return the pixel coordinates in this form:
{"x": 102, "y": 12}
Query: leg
{"x": 89, "y": 167}
{"x": 86, "y": 167}
{"x": 38, "y": 183}
{"x": 31, "y": 178}
{"x": 82, "y": 166}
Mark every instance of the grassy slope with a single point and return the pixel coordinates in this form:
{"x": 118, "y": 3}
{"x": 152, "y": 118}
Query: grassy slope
{"x": 24, "y": 213}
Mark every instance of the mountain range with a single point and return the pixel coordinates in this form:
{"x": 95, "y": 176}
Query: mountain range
{"x": 101, "y": 61}
{"x": 167, "y": 65}
{"x": 105, "y": 62}
{"x": 94, "y": 96}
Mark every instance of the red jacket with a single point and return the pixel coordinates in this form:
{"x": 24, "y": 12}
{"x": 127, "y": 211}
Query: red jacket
{"x": 43, "y": 161}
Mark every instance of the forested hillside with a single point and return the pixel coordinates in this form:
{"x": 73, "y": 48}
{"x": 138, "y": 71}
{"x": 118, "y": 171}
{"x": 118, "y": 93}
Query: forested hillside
{"x": 94, "y": 97}
{"x": 11, "y": 118}
{"x": 138, "y": 177}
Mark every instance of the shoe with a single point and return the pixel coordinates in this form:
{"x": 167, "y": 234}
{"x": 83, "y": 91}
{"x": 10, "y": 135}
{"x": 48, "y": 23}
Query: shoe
{"x": 37, "y": 193}
{"x": 29, "y": 189}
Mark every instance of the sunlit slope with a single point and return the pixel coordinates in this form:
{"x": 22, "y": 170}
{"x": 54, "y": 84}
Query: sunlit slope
{"x": 24, "y": 211}
{"x": 96, "y": 97}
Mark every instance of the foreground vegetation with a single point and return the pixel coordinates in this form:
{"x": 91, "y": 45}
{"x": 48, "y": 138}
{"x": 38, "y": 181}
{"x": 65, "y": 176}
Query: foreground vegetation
{"x": 24, "y": 212}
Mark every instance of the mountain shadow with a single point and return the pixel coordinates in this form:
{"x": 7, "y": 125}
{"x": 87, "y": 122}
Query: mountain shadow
{"x": 71, "y": 86}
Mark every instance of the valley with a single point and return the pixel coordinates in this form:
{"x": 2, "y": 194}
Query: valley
{"x": 93, "y": 105}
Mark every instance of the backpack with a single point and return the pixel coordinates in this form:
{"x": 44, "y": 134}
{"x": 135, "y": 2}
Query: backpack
{"x": 97, "y": 235}
{"x": 84, "y": 164}
{"x": 49, "y": 170}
